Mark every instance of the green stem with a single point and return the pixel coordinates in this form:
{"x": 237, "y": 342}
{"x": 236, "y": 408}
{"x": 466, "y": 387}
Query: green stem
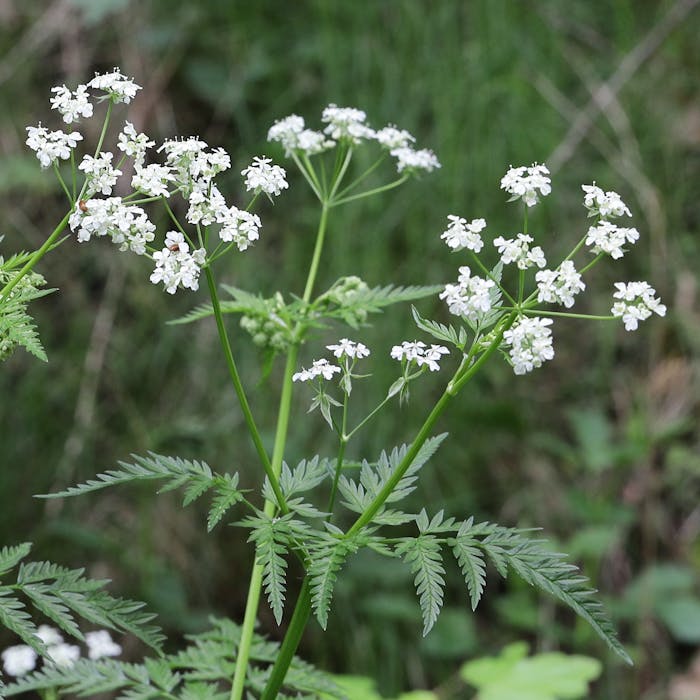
{"x": 368, "y": 193}
{"x": 339, "y": 461}
{"x": 564, "y": 314}
{"x": 296, "y": 628}
{"x": 361, "y": 177}
{"x": 369, "y": 416}
{"x": 255, "y": 585}
{"x": 63, "y": 182}
{"x": 29, "y": 265}
{"x": 240, "y": 392}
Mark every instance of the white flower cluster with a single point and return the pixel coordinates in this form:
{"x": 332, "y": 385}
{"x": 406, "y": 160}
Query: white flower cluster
{"x": 349, "y": 124}
{"x": 470, "y": 298}
{"x": 117, "y": 86}
{"x": 261, "y": 176}
{"x": 606, "y": 205}
{"x": 350, "y": 349}
{"x": 293, "y": 135}
{"x": 418, "y": 352}
{"x": 408, "y": 159}
{"x": 21, "y": 659}
{"x": 346, "y": 123}
{"x": 153, "y": 180}
{"x": 50, "y": 146}
{"x": 100, "y": 176}
{"x": 606, "y": 237}
{"x": 192, "y": 162}
{"x": 460, "y": 234}
{"x": 176, "y": 266}
{"x": 127, "y": 225}
{"x": 559, "y": 286}
{"x": 525, "y": 182}
{"x": 134, "y": 144}
{"x": 636, "y": 303}
{"x": 530, "y": 342}
{"x": 72, "y": 105}
{"x": 319, "y": 368}
{"x": 239, "y": 226}
{"x": 517, "y": 250}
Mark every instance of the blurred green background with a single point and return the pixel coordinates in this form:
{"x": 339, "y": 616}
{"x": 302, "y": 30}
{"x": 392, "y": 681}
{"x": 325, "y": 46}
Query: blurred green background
{"x": 599, "y": 448}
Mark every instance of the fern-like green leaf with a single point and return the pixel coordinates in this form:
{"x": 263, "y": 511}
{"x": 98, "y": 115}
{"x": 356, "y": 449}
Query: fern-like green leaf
{"x": 439, "y": 331}
{"x": 423, "y": 555}
{"x": 471, "y": 562}
{"x": 271, "y": 537}
{"x": 551, "y": 572}
{"x": 153, "y": 467}
{"x": 327, "y": 560}
{"x": 226, "y": 495}
{"x": 14, "y": 617}
{"x": 11, "y": 556}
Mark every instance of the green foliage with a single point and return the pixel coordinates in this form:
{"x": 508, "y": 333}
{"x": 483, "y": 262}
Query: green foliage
{"x": 202, "y": 670}
{"x": 512, "y": 674}
{"x": 60, "y": 594}
{"x": 274, "y": 537}
{"x": 506, "y": 549}
{"x": 17, "y": 327}
{"x": 303, "y": 478}
{"x": 196, "y": 477}
{"x": 373, "y": 477}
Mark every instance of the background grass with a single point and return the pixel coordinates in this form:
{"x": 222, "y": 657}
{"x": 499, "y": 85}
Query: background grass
{"x": 599, "y": 448}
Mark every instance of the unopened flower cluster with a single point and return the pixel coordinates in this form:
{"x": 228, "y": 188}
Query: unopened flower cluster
{"x": 528, "y": 339}
{"x": 189, "y": 169}
{"x": 22, "y": 659}
{"x": 349, "y": 125}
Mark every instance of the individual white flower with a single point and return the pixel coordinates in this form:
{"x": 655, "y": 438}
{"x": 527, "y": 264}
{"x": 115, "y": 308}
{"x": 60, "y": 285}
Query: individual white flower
{"x": 346, "y": 123}
{"x": 606, "y": 237}
{"x": 636, "y": 303}
{"x": 460, "y": 234}
{"x": 117, "y": 86}
{"x": 349, "y": 348}
{"x": 18, "y": 660}
{"x": 206, "y": 204}
{"x": 261, "y": 176}
{"x": 604, "y": 204}
{"x": 209, "y": 164}
{"x": 152, "y": 179}
{"x": 100, "y": 645}
{"x": 391, "y": 138}
{"x": 518, "y": 250}
{"x": 134, "y": 144}
{"x": 408, "y": 159}
{"x": 64, "y": 655}
{"x": 470, "y": 297}
{"x": 530, "y": 341}
{"x": 559, "y": 286}
{"x": 432, "y": 356}
{"x": 319, "y": 368}
{"x": 239, "y": 226}
{"x": 408, "y": 351}
{"x": 49, "y": 635}
{"x": 127, "y": 225}
{"x": 176, "y": 266}
{"x": 72, "y": 105}
{"x": 51, "y": 145}
{"x": 524, "y": 183}
{"x": 100, "y": 176}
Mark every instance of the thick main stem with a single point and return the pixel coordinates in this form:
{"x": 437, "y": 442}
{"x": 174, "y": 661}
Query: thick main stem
{"x": 255, "y": 585}
{"x": 29, "y": 266}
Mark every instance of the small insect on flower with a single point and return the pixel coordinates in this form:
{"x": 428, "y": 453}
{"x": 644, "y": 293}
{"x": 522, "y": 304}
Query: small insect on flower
{"x": 174, "y": 247}
{"x": 82, "y": 205}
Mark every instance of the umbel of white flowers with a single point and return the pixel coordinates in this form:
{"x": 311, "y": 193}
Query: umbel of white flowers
{"x": 21, "y": 659}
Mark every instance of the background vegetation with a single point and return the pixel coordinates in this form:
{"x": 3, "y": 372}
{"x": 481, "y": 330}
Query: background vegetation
{"x": 600, "y": 448}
